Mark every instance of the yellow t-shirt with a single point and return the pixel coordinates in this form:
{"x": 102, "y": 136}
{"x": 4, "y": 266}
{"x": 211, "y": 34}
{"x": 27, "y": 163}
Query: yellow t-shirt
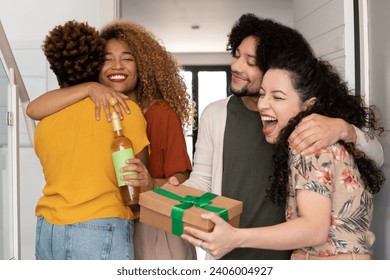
{"x": 74, "y": 151}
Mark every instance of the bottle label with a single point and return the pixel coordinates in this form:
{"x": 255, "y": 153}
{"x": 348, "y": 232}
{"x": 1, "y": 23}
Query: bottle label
{"x": 119, "y": 159}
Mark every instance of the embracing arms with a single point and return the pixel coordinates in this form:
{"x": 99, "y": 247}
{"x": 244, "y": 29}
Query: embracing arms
{"x": 316, "y": 131}
{"x": 58, "y": 99}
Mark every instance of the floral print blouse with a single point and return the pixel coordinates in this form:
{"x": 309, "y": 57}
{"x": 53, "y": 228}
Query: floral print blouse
{"x": 332, "y": 172}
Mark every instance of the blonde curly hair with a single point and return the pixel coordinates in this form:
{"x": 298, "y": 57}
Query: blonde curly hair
{"x": 159, "y": 78}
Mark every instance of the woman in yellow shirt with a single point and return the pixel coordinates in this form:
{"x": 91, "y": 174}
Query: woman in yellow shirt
{"x": 81, "y": 215}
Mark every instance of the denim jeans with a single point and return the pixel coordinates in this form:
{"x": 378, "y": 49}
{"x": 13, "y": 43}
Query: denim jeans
{"x": 99, "y": 239}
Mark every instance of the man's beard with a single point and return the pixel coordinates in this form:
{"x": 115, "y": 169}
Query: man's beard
{"x": 243, "y": 92}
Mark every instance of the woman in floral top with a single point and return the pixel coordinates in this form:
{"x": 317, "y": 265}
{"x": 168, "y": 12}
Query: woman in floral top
{"x": 331, "y": 172}
{"x": 329, "y": 194}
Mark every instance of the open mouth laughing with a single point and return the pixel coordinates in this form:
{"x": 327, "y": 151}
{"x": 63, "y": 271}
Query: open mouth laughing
{"x": 269, "y": 124}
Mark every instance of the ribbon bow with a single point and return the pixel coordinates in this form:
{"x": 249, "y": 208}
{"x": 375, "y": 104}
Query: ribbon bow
{"x": 187, "y": 202}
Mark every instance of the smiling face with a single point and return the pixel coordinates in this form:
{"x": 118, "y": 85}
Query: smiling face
{"x": 119, "y": 70}
{"x": 246, "y": 75}
{"x": 278, "y": 103}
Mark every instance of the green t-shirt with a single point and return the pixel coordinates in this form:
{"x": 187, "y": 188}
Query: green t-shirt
{"x": 247, "y": 168}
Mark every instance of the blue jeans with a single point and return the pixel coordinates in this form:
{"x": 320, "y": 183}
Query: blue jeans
{"x": 99, "y": 239}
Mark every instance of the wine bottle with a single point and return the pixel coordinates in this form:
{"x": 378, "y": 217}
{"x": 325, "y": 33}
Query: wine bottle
{"x": 122, "y": 149}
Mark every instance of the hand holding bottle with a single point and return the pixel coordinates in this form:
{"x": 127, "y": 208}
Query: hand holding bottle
{"x": 122, "y": 149}
{"x": 140, "y": 178}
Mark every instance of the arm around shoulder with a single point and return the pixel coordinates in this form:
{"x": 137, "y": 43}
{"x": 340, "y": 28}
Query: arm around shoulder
{"x": 55, "y": 100}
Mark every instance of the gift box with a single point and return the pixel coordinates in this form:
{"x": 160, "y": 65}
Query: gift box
{"x": 170, "y": 208}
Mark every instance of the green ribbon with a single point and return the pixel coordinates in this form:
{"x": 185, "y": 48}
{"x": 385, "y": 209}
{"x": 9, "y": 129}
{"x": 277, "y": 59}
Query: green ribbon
{"x": 187, "y": 202}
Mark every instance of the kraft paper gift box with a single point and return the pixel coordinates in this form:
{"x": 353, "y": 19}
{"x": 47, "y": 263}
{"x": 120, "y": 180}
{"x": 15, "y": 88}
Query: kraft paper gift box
{"x": 169, "y": 208}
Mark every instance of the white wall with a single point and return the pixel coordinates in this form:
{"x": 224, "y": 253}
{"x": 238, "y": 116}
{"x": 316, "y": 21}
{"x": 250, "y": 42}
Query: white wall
{"x": 26, "y": 24}
{"x": 379, "y": 66}
{"x": 328, "y": 26}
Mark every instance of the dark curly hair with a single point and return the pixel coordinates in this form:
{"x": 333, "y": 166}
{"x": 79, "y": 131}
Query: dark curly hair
{"x": 272, "y": 38}
{"x": 159, "y": 78}
{"x": 247, "y": 25}
{"x": 317, "y": 78}
{"x": 74, "y": 51}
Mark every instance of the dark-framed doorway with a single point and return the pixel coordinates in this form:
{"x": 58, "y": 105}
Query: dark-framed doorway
{"x": 206, "y": 84}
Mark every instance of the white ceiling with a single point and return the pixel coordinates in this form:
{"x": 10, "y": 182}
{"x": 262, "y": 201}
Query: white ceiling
{"x": 171, "y": 20}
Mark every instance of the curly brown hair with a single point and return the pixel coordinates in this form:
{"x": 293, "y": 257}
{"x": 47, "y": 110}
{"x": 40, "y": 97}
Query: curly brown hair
{"x": 74, "y": 51}
{"x": 159, "y": 77}
{"x": 312, "y": 77}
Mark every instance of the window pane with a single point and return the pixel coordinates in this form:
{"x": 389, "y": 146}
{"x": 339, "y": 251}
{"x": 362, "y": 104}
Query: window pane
{"x": 212, "y": 87}
{"x": 187, "y": 76}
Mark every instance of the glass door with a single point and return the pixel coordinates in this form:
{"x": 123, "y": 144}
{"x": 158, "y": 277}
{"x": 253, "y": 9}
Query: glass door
{"x": 9, "y": 152}
{"x": 5, "y": 201}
